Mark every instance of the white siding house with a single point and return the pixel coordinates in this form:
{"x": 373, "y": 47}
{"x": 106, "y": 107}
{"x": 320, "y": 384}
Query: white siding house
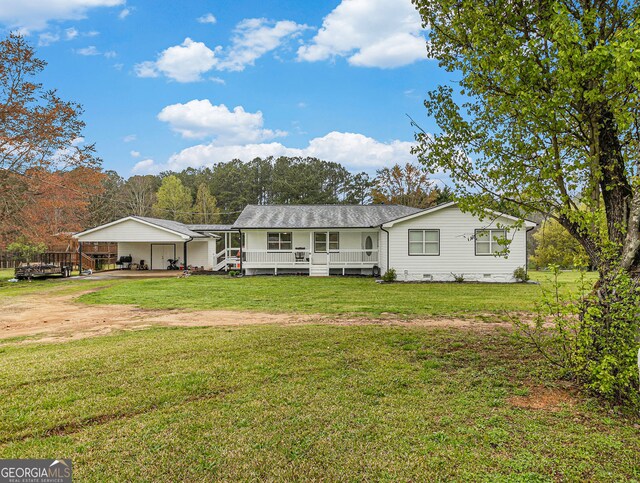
{"x": 455, "y": 243}
{"x": 435, "y": 244}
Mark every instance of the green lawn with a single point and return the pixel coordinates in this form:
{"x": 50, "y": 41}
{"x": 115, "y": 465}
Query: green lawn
{"x": 309, "y": 402}
{"x": 6, "y": 274}
{"x": 336, "y": 295}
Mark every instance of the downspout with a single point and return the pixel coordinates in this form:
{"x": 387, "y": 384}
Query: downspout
{"x": 79, "y": 258}
{"x": 241, "y": 254}
{"x": 526, "y": 249}
{"x": 382, "y": 228}
{"x": 185, "y": 252}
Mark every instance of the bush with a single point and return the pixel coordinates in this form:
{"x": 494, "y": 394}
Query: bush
{"x": 521, "y": 275}
{"x": 25, "y": 249}
{"x": 390, "y": 275}
{"x": 458, "y": 278}
{"x": 593, "y": 339}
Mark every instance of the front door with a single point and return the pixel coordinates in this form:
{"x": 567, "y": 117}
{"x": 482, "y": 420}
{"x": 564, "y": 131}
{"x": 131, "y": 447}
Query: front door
{"x": 160, "y": 255}
{"x": 320, "y": 248}
{"x": 369, "y": 246}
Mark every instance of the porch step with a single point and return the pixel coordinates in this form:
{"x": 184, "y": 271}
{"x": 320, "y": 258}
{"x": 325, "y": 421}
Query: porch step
{"x": 318, "y": 270}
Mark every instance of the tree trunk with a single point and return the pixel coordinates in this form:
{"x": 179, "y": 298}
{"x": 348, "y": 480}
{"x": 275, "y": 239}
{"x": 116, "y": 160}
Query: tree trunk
{"x": 616, "y": 192}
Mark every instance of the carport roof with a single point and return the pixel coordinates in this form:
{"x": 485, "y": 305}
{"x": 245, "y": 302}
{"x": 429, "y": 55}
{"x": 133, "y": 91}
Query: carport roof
{"x": 175, "y": 227}
{"x": 171, "y": 225}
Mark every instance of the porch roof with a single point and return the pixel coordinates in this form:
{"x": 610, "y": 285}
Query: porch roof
{"x": 319, "y": 216}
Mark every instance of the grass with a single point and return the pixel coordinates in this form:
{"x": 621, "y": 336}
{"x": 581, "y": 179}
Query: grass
{"x": 6, "y": 274}
{"x": 309, "y": 402}
{"x": 336, "y": 295}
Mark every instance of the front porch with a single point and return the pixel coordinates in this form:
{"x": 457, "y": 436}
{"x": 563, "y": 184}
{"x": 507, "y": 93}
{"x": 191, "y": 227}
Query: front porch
{"x": 314, "y": 253}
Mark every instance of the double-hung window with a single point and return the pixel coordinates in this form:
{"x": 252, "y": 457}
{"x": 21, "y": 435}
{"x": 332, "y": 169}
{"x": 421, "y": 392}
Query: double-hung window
{"x": 424, "y": 242}
{"x": 487, "y": 241}
{"x": 322, "y": 239}
{"x": 279, "y": 241}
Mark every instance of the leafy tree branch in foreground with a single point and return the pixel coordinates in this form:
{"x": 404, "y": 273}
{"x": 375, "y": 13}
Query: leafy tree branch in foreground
{"x": 545, "y": 120}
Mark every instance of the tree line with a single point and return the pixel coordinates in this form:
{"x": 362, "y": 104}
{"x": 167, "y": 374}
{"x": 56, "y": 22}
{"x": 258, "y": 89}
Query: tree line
{"x": 219, "y": 193}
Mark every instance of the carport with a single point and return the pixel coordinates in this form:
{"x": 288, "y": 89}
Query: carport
{"x": 152, "y": 242}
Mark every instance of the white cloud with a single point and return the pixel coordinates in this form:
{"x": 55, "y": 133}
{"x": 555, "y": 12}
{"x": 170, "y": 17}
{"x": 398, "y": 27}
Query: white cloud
{"x": 207, "y": 18}
{"x": 124, "y": 13}
{"x": 354, "y": 151}
{"x": 146, "y": 69}
{"x": 47, "y": 38}
{"x": 198, "y": 119}
{"x": 110, "y": 54}
{"x": 135, "y": 154}
{"x": 253, "y": 38}
{"x": 91, "y": 50}
{"x": 217, "y": 80}
{"x": 369, "y": 33}
{"x": 30, "y": 15}
{"x": 146, "y": 166}
{"x": 183, "y": 63}
{"x": 129, "y": 138}
{"x": 189, "y": 61}
{"x": 71, "y": 33}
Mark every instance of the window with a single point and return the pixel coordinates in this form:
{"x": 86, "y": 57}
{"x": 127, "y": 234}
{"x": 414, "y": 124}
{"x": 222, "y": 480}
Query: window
{"x": 279, "y": 241}
{"x": 320, "y": 242}
{"x": 424, "y": 242}
{"x": 368, "y": 245}
{"x": 487, "y": 241}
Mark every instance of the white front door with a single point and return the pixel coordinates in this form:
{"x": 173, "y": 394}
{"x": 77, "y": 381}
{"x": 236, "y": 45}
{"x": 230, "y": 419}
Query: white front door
{"x": 160, "y": 254}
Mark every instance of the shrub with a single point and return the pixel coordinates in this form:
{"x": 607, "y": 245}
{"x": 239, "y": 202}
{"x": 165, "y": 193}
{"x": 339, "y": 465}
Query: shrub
{"x": 592, "y": 339}
{"x": 521, "y": 275}
{"x": 25, "y": 249}
{"x": 458, "y": 278}
{"x": 390, "y": 275}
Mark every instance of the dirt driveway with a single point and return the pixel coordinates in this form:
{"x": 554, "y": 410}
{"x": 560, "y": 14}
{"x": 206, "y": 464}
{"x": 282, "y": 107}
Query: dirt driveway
{"x": 53, "y": 317}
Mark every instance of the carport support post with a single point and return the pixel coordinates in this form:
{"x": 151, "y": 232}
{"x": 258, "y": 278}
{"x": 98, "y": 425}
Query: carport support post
{"x": 80, "y": 258}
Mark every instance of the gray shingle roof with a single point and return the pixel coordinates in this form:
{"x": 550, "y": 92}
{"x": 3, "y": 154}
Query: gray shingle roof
{"x": 320, "y": 216}
{"x": 210, "y": 227}
{"x": 171, "y": 225}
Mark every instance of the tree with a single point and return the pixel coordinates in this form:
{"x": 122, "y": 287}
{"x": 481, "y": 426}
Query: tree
{"x": 173, "y": 201}
{"x": 106, "y": 205}
{"x": 550, "y": 125}
{"x": 358, "y": 189}
{"x": 139, "y": 194}
{"x": 409, "y": 185}
{"x": 556, "y": 246}
{"x": 26, "y": 249}
{"x": 38, "y": 130}
{"x": 205, "y": 210}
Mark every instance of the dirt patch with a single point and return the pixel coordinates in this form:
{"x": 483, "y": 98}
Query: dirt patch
{"x": 52, "y": 317}
{"x": 550, "y": 399}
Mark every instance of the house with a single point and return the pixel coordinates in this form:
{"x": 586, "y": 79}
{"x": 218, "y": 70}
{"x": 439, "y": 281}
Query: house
{"x": 434, "y": 244}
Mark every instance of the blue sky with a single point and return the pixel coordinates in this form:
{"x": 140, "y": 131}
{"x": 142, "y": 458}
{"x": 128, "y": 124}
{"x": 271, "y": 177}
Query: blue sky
{"x": 167, "y": 84}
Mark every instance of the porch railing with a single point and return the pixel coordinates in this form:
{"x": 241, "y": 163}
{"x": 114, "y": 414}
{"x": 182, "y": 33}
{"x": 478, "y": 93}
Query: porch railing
{"x": 353, "y": 257}
{"x": 341, "y": 258}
